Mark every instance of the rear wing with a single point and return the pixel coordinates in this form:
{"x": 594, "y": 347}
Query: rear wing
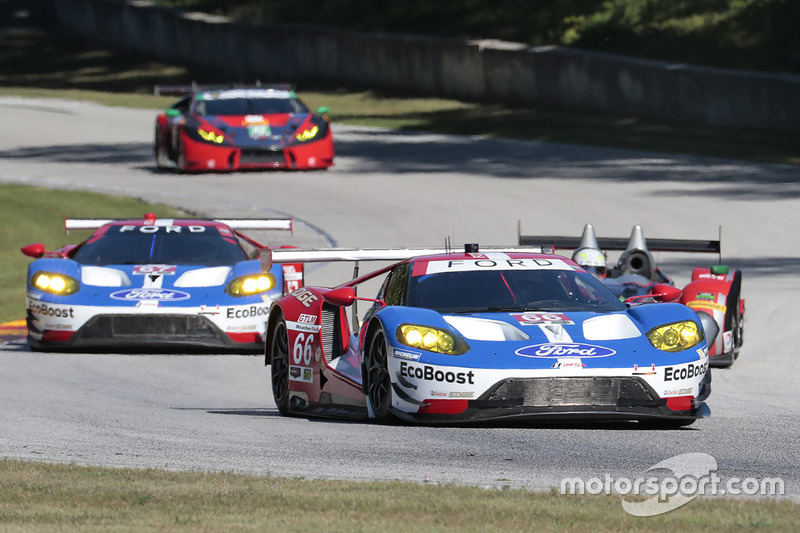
{"x": 559, "y": 242}
{"x": 180, "y": 90}
{"x": 322, "y": 255}
{"x": 235, "y": 224}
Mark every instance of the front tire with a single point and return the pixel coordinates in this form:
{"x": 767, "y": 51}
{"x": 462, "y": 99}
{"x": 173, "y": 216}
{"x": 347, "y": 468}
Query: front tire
{"x": 162, "y": 154}
{"x": 279, "y": 368}
{"x": 377, "y": 382}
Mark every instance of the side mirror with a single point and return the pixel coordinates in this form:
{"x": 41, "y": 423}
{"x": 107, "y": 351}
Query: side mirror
{"x": 665, "y": 293}
{"x": 340, "y": 297}
{"x": 33, "y": 250}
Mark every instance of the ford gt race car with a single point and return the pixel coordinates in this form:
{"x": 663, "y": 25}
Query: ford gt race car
{"x": 477, "y": 336}
{"x": 714, "y": 291}
{"x": 155, "y": 284}
{"x": 241, "y": 128}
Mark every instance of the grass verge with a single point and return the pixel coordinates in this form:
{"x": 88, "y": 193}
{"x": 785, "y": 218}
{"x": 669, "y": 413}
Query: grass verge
{"x": 37, "y": 64}
{"x": 48, "y": 497}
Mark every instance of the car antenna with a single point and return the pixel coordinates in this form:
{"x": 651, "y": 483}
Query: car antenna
{"x": 447, "y": 245}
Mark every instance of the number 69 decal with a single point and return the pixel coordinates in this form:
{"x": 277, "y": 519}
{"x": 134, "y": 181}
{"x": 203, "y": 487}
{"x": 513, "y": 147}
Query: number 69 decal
{"x": 303, "y": 350}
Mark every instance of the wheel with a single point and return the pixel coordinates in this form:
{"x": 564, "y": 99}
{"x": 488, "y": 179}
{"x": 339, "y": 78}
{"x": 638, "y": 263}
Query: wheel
{"x": 162, "y": 155}
{"x": 378, "y": 385}
{"x": 181, "y": 156}
{"x": 279, "y": 368}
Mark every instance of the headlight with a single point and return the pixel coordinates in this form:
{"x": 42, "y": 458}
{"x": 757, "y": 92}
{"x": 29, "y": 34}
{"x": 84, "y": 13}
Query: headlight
{"x": 249, "y": 285}
{"x": 307, "y": 135}
{"x": 59, "y": 284}
{"x": 676, "y": 337}
{"x": 430, "y": 339}
{"x": 210, "y": 136}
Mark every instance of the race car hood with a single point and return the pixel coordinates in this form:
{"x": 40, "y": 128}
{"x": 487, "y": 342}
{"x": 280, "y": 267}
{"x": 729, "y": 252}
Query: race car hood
{"x": 255, "y": 130}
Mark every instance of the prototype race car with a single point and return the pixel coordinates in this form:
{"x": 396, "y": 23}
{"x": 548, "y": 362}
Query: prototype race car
{"x": 714, "y": 292}
{"x": 155, "y": 284}
{"x": 480, "y": 336}
{"x": 241, "y": 128}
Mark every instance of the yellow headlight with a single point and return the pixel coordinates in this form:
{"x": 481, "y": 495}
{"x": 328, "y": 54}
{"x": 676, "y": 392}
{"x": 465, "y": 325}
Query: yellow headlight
{"x": 308, "y": 134}
{"x": 210, "y": 136}
{"x": 54, "y": 283}
{"x": 249, "y": 285}
{"x": 430, "y": 339}
{"x": 676, "y": 337}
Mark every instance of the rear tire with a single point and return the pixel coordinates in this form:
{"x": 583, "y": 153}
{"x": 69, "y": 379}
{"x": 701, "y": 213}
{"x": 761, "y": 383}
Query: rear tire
{"x": 377, "y": 381}
{"x": 279, "y": 368}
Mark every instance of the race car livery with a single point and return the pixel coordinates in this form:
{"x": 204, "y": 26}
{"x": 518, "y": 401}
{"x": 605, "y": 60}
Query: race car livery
{"x": 473, "y": 336}
{"x": 151, "y": 283}
{"x": 227, "y": 129}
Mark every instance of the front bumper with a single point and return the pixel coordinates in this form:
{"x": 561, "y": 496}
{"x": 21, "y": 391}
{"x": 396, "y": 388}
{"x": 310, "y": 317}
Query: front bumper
{"x": 155, "y": 332}
{"x": 564, "y": 399}
{"x": 205, "y": 157}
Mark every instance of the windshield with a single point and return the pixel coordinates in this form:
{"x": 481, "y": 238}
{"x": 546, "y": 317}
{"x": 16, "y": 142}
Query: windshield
{"x": 249, "y": 106}
{"x": 507, "y": 290}
{"x": 121, "y": 245}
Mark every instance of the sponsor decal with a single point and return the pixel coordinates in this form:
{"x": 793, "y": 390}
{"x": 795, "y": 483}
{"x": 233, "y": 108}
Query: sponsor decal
{"x": 208, "y": 310}
{"x": 463, "y": 265}
{"x": 405, "y": 354}
{"x": 541, "y": 319}
{"x": 703, "y": 352}
{"x": 161, "y": 229}
{"x": 246, "y": 312}
{"x": 430, "y": 373}
{"x": 572, "y": 362}
{"x": 46, "y": 310}
{"x": 302, "y": 326}
{"x": 679, "y": 373}
{"x": 727, "y": 341}
{"x": 459, "y": 395}
{"x": 678, "y": 392}
{"x": 166, "y": 270}
{"x": 706, "y": 296}
{"x": 307, "y": 319}
{"x": 301, "y": 373}
{"x": 559, "y": 350}
{"x": 162, "y": 295}
{"x": 305, "y": 297}
{"x": 705, "y": 304}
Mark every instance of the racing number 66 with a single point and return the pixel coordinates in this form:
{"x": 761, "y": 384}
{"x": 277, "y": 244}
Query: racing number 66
{"x": 302, "y": 350}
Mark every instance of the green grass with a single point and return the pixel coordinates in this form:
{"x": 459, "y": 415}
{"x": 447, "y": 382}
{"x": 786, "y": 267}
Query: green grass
{"x": 47, "y": 497}
{"x": 65, "y": 69}
{"x": 33, "y": 214}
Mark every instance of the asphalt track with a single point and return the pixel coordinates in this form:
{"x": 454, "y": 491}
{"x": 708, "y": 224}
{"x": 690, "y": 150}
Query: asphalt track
{"x": 391, "y": 188}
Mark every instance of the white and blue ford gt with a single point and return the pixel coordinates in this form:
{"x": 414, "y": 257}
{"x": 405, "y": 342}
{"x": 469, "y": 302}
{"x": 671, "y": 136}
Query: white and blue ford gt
{"x": 476, "y": 336}
{"x": 155, "y": 284}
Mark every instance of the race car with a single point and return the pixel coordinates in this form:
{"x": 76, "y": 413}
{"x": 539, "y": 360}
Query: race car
{"x": 155, "y": 284}
{"x": 227, "y": 129}
{"x": 714, "y": 292}
{"x": 483, "y": 336}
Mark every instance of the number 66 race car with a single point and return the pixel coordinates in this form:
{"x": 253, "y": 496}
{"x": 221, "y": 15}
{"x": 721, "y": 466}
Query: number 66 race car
{"x": 474, "y": 336}
{"x": 155, "y": 284}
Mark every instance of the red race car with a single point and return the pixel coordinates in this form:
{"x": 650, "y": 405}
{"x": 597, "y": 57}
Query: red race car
{"x": 213, "y": 129}
{"x": 714, "y": 292}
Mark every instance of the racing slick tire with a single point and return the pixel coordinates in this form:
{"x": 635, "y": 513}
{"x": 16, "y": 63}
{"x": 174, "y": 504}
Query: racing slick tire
{"x": 279, "y": 367}
{"x": 377, "y": 381}
{"x": 162, "y": 155}
{"x": 181, "y": 156}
